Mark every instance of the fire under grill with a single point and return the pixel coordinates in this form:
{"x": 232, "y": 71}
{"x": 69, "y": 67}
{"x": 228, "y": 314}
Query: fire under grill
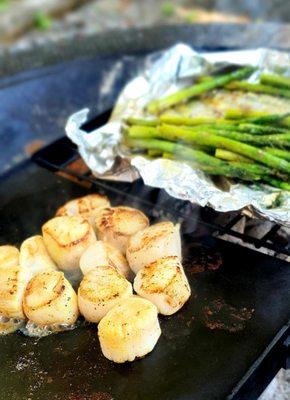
{"x": 229, "y": 341}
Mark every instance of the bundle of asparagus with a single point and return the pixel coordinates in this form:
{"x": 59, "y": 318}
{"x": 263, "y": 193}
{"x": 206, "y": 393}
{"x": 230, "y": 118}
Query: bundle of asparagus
{"x": 243, "y": 144}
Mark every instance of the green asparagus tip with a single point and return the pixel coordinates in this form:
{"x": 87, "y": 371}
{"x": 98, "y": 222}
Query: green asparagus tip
{"x": 158, "y": 105}
{"x": 279, "y": 81}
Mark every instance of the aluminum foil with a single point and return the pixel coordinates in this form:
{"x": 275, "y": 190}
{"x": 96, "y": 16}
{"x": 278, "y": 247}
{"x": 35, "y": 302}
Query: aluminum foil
{"x": 172, "y": 70}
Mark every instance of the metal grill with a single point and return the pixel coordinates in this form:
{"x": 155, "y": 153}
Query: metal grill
{"x": 62, "y": 157}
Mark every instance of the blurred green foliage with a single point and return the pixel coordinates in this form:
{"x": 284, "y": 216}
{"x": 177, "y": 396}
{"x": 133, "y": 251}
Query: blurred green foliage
{"x": 168, "y": 9}
{"x": 3, "y": 4}
{"x": 42, "y": 21}
{"x": 191, "y": 17}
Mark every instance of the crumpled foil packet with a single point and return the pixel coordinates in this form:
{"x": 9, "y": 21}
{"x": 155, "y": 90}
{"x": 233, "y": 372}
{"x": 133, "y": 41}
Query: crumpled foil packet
{"x": 174, "y": 69}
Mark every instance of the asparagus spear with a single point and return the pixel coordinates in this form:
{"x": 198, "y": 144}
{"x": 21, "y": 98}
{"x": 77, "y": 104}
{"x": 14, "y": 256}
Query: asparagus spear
{"x": 154, "y": 153}
{"x": 175, "y": 148}
{"x": 141, "y": 121}
{"x": 256, "y": 169}
{"x": 257, "y": 117}
{"x": 230, "y": 156}
{"x": 261, "y": 129}
{"x": 278, "y": 140}
{"x": 157, "y": 105}
{"x": 248, "y": 128}
{"x": 285, "y": 122}
{"x": 221, "y": 123}
{"x": 275, "y": 80}
{"x": 179, "y": 120}
{"x": 140, "y": 131}
{"x": 279, "y": 153}
{"x": 258, "y": 88}
{"x": 277, "y": 183}
{"x": 228, "y": 171}
{"x": 205, "y": 78}
{"x": 146, "y": 127}
{"x": 168, "y": 155}
{"x": 203, "y": 138}
{"x": 269, "y": 119}
{"x": 237, "y": 114}
{"x": 197, "y": 158}
{"x": 144, "y": 132}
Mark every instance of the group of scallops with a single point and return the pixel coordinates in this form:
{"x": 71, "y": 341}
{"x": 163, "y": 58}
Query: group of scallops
{"x": 112, "y": 246}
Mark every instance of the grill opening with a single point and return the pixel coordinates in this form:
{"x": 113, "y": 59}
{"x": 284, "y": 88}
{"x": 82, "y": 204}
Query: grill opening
{"x": 62, "y": 157}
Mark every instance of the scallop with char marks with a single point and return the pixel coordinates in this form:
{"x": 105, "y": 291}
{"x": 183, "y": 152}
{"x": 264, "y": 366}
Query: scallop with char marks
{"x": 117, "y": 224}
{"x": 66, "y": 239}
{"x": 87, "y": 207}
{"x": 9, "y": 256}
{"x": 104, "y": 253}
{"x": 34, "y": 256}
{"x": 164, "y": 283}
{"x": 156, "y": 241}
{"x": 129, "y": 330}
{"x": 13, "y": 281}
{"x": 100, "y": 290}
{"x": 49, "y": 299}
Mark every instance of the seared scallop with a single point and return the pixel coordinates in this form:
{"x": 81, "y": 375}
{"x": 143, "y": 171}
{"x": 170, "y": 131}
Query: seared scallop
{"x": 164, "y": 283}
{"x": 49, "y": 299}
{"x": 117, "y": 224}
{"x": 156, "y": 241}
{"x": 34, "y": 256}
{"x": 9, "y": 325}
{"x": 100, "y": 290}
{"x": 66, "y": 238}
{"x": 104, "y": 253}
{"x": 13, "y": 281}
{"x": 9, "y": 256}
{"x": 87, "y": 207}
{"x": 129, "y": 330}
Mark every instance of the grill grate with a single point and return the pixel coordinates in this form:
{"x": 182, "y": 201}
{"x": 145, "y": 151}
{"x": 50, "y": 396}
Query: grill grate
{"x": 62, "y": 157}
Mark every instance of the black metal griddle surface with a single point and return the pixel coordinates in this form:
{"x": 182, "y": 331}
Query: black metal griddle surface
{"x": 190, "y": 361}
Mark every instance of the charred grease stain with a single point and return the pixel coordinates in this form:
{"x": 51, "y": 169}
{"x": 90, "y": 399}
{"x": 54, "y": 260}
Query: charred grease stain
{"x": 94, "y": 396}
{"x": 200, "y": 259}
{"x": 220, "y": 315}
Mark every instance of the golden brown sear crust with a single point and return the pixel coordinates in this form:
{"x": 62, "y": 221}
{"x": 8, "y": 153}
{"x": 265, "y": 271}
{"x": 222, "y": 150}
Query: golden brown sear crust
{"x": 34, "y": 256}
{"x": 39, "y": 285}
{"x": 151, "y": 235}
{"x": 83, "y": 205}
{"x": 12, "y": 282}
{"x": 12, "y": 285}
{"x": 129, "y": 330}
{"x": 152, "y": 243}
{"x": 117, "y": 224}
{"x": 100, "y": 290}
{"x": 103, "y": 284}
{"x": 49, "y": 299}
{"x": 66, "y": 239}
{"x": 9, "y": 256}
{"x": 119, "y": 219}
{"x": 151, "y": 274}
{"x": 164, "y": 283}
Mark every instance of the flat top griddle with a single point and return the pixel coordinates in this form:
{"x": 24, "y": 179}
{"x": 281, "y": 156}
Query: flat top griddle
{"x": 190, "y": 361}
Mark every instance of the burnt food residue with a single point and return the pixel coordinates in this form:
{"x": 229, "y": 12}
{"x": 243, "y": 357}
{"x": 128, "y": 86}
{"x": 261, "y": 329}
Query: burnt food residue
{"x": 219, "y": 315}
